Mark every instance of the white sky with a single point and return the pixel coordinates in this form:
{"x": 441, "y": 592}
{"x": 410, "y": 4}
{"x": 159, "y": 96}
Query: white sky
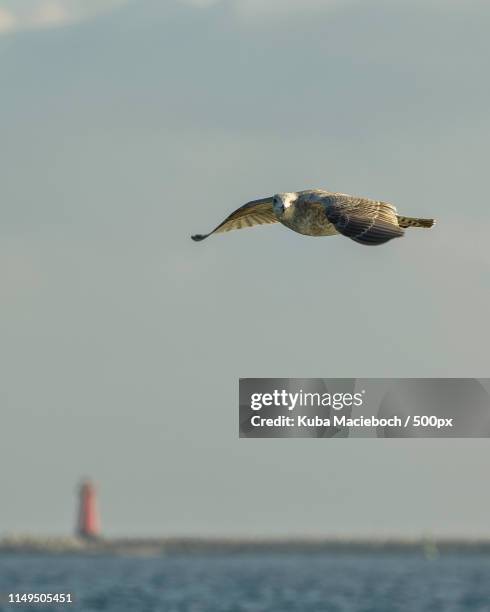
{"x": 122, "y": 341}
{"x": 31, "y": 14}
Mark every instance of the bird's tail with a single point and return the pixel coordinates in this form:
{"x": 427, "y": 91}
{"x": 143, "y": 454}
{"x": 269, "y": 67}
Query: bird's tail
{"x": 415, "y": 222}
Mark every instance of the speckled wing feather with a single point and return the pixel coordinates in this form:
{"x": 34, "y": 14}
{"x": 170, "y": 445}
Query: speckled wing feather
{"x": 257, "y": 212}
{"x": 363, "y": 220}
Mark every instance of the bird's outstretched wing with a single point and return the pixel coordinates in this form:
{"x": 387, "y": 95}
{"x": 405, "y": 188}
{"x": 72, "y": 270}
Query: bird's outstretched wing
{"x": 257, "y": 212}
{"x": 363, "y": 220}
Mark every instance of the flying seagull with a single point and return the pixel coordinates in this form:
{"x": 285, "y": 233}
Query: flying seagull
{"x": 315, "y": 212}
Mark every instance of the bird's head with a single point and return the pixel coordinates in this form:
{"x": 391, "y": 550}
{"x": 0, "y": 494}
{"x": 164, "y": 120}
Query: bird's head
{"x": 283, "y": 203}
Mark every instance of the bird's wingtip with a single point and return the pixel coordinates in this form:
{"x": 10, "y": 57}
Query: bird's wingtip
{"x": 198, "y": 237}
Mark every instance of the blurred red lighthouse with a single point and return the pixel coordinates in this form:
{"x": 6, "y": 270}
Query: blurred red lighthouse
{"x": 88, "y": 526}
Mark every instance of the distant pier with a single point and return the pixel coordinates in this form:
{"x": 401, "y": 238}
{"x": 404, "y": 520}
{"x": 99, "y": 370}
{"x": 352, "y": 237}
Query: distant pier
{"x": 165, "y": 546}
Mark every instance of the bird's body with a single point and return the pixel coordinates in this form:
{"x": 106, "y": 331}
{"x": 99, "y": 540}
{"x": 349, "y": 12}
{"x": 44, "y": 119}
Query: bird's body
{"x": 315, "y": 212}
{"x": 307, "y": 215}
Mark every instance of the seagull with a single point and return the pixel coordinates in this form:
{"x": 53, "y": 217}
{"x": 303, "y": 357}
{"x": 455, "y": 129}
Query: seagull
{"x": 315, "y": 212}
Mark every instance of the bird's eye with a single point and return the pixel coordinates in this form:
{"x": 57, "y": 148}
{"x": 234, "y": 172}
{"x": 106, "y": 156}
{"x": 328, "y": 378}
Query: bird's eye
{"x": 277, "y": 204}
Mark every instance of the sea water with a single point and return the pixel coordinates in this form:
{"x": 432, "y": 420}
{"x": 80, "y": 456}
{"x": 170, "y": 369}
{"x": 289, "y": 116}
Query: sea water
{"x": 253, "y": 582}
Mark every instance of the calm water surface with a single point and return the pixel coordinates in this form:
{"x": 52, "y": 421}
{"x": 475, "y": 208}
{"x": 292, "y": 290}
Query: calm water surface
{"x": 254, "y": 582}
